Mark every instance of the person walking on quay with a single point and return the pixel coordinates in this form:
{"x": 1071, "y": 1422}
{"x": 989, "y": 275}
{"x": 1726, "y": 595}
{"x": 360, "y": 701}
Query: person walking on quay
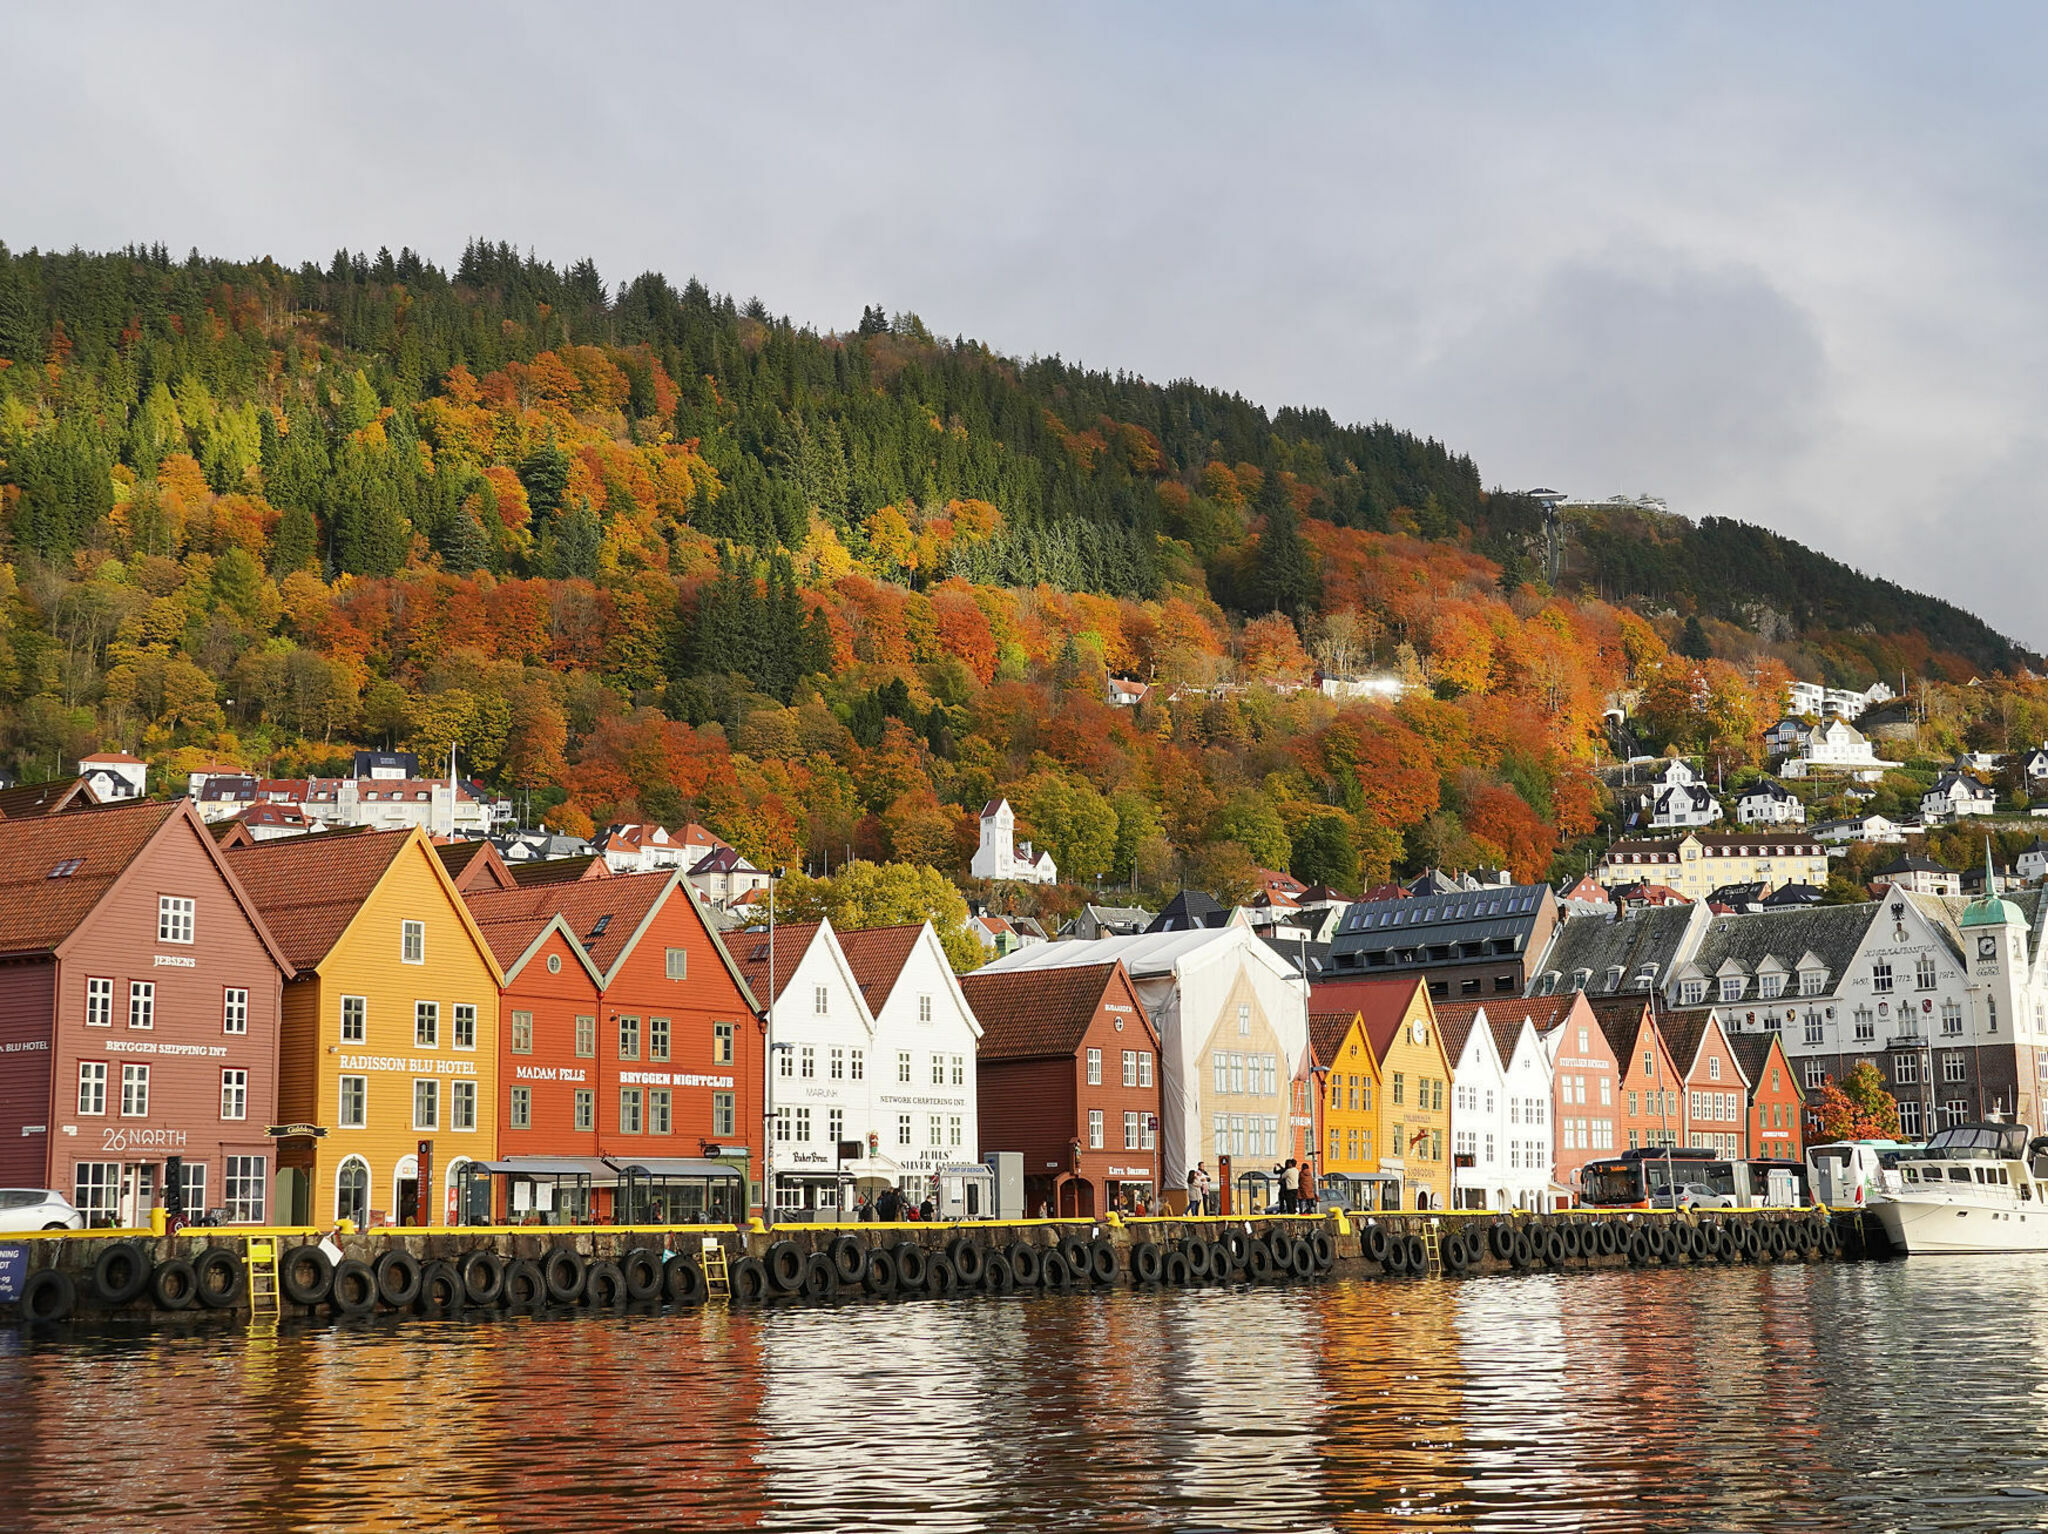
{"x": 1198, "y": 1189}
{"x": 1290, "y": 1188}
{"x": 927, "y": 1210}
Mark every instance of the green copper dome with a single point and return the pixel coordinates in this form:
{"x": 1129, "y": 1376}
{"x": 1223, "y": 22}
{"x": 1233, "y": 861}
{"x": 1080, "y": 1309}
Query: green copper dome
{"x": 1990, "y": 909}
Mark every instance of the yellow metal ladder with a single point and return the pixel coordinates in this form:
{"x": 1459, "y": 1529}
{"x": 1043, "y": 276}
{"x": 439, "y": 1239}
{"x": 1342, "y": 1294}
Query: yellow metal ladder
{"x": 259, "y": 1257}
{"x": 1432, "y": 1250}
{"x": 717, "y": 1276}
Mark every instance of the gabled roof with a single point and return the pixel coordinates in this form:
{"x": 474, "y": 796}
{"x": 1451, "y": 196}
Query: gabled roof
{"x": 27, "y": 800}
{"x": 1327, "y": 1032}
{"x": 309, "y": 888}
{"x": 876, "y": 955}
{"x": 1188, "y": 911}
{"x": 590, "y": 865}
{"x": 1752, "y": 1053}
{"x": 1656, "y": 935}
{"x": 1685, "y": 1032}
{"x": 515, "y": 940}
{"x": 1507, "y": 1034}
{"x": 1621, "y": 1020}
{"x": 56, "y": 869}
{"x": 1383, "y": 1004}
{"x": 1831, "y": 934}
{"x": 474, "y": 864}
{"x": 1033, "y": 1014}
{"x": 750, "y": 954}
{"x": 605, "y": 915}
{"x": 1455, "y": 1020}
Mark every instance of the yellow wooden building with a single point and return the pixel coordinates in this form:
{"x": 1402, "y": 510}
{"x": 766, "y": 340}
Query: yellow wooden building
{"x": 390, "y": 1037}
{"x": 1348, "y": 1095}
{"x": 1414, "y": 1095}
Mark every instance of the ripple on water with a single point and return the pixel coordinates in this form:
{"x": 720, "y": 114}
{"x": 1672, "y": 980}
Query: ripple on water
{"x": 1905, "y": 1396}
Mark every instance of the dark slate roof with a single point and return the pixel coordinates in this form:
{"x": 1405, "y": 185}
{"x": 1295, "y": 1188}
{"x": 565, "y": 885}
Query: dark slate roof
{"x": 1795, "y": 895}
{"x": 1309, "y": 959}
{"x": 1652, "y": 935}
{"x": 591, "y": 865}
{"x": 1751, "y": 893}
{"x": 1832, "y": 933}
{"x": 1489, "y": 918}
{"x": 1767, "y": 788}
{"x": 1911, "y": 863}
{"x": 1189, "y": 910}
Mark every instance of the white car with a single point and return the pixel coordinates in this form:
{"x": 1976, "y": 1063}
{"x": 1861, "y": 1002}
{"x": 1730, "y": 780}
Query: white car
{"x": 37, "y": 1209}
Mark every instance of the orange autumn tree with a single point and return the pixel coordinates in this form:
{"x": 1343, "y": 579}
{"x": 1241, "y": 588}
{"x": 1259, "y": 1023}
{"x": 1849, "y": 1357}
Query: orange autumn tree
{"x": 1859, "y": 1108}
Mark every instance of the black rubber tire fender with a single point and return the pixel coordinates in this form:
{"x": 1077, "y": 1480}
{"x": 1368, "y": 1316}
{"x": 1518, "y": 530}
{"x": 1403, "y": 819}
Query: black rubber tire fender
{"x": 48, "y": 1295}
{"x": 1607, "y": 1238}
{"x": 305, "y": 1276}
{"x": 1176, "y": 1272}
{"x": 1258, "y": 1263}
{"x": 785, "y": 1263}
{"x": 1027, "y": 1265}
{"x": 1324, "y": 1248}
{"x": 1148, "y": 1263}
{"x": 1638, "y": 1247}
{"x": 1198, "y": 1255}
{"x": 821, "y": 1279}
{"x": 1236, "y": 1243}
{"x": 604, "y": 1286}
{"x": 968, "y": 1259}
{"x": 1102, "y": 1261}
{"x": 441, "y": 1291}
{"x": 1830, "y": 1242}
{"x": 398, "y": 1277}
{"x": 682, "y": 1280}
{"x": 1574, "y": 1239}
{"x": 173, "y": 1285}
{"x": 355, "y": 1289}
{"x": 564, "y": 1273}
{"x": 1373, "y": 1242}
{"x": 879, "y": 1275}
{"x": 849, "y": 1258}
{"x": 1055, "y": 1272}
{"x": 747, "y": 1279}
{"x": 913, "y": 1265}
{"x": 1524, "y": 1256}
{"x": 940, "y": 1276}
{"x": 120, "y": 1273}
{"x": 219, "y": 1272}
{"x": 643, "y": 1274}
{"x": 525, "y": 1289}
{"x": 1454, "y": 1253}
{"x": 1075, "y": 1250}
{"x": 483, "y": 1277}
{"x": 1500, "y": 1239}
{"x": 1418, "y": 1256}
{"x": 997, "y": 1276}
{"x": 1303, "y": 1258}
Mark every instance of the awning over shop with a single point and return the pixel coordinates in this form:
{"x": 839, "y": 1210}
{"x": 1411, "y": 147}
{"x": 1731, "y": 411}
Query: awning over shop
{"x": 678, "y": 1166}
{"x": 603, "y": 1172}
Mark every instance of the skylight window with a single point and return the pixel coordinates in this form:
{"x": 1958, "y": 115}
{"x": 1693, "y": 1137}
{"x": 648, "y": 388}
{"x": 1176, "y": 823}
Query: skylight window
{"x": 67, "y": 867}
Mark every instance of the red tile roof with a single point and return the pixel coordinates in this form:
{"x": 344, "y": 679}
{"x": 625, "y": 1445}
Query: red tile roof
{"x": 1454, "y": 1020}
{"x": 1383, "y": 1003}
{"x": 1034, "y": 1013}
{"x": 588, "y": 865}
{"x": 309, "y": 888}
{"x": 92, "y": 847}
{"x": 750, "y": 954}
{"x": 26, "y": 800}
{"x": 1327, "y": 1032}
{"x": 876, "y": 955}
{"x": 617, "y": 906}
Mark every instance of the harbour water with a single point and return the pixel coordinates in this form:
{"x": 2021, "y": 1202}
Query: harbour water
{"x": 1833, "y": 1397}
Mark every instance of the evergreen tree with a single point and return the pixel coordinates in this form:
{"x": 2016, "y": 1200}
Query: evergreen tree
{"x": 1284, "y": 579}
{"x": 1692, "y": 640}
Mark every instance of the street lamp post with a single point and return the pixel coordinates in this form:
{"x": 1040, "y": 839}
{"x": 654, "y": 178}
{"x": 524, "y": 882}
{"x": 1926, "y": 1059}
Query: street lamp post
{"x": 768, "y": 1071}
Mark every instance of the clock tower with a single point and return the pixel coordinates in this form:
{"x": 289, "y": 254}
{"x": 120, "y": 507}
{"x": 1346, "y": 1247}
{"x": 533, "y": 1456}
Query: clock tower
{"x": 1994, "y": 933}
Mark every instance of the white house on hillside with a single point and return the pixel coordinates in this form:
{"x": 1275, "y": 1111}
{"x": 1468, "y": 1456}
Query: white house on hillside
{"x": 1954, "y": 795}
{"x": 1679, "y": 798}
{"x": 114, "y": 776}
{"x": 1769, "y": 803}
{"x": 1836, "y": 747}
{"x": 1002, "y": 856}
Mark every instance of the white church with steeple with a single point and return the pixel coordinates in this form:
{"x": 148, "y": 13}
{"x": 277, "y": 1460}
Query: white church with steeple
{"x": 1002, "y": 856}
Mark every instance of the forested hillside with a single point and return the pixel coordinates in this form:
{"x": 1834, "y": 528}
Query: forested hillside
{"x": 647, "y": 552}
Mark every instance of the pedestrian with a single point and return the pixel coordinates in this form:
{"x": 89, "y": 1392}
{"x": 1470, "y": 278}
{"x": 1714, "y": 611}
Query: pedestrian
{"x": 927, "y": 1210}
{"x": 1044, "y": 1209}
{"x": 1290, "y": 1188}
{"x": 1198, "y": 1189}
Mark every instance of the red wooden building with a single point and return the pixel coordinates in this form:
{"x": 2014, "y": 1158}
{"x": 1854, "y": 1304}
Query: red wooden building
{"x": 627, "y": 1038}
{"x": 1651, "y": 1088}
{"x": 140, "y": 996}
{"x": 1775, "y": 1098}
{"x": 1069, "y": 1077}
{"x": 1586, "y": 1098}
{"x": 1716, "y": 1097}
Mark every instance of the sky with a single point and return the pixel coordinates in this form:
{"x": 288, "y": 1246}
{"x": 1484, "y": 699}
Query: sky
{"x": 1778, "y": 264}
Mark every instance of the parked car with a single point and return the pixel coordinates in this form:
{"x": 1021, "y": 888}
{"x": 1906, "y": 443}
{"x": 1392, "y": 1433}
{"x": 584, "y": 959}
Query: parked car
{"x": 1694, "y": 1195}
{"x": 37, "y": 1209}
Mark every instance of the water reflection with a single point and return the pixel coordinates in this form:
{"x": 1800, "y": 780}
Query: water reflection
{"x": 1907, "y": 1396}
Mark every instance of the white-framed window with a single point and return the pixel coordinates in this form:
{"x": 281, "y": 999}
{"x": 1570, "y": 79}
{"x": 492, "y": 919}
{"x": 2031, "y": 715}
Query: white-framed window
{"x": 924, "y": 1008}
{"x": 96, "y": 1191}
{"x": 1952, "y": 1067}
{"x": 234, "y": 1094}
{"x": 99, "y": 1003}
{"x": 142, "y": 1004}
{"x": 465, "y": 1025}
{"x": 955, "y": 1131}
{"x": 856, "y": 1064}
{"x": 426, "y": 1104}
{"x": 936, "y": 1125}
{"x": 1095, "y": 1129}
{"x": 902, "y": 1129}
{"x": 1923, "y": 973}
{"x": 462, "y": 1105}
{"x": 355, "y": 1019}
{"x": 195, "y": 1185}
{"x": 1813, "y": 982}
{"x": 1905, "y": 1070}
{"x": 1866, "y": 1025}
{"x": 660, "y": 1116}
{"x": 629, "y": 1038}
{"x": 244, "y": 1188}
{"x": 1951, "y": 1017}
{"x": 1220, "y": 1064}
{"x": 903, "y": 1066}
{"x": 959, "y": 1064}
{"x": 835, "y": 1064}
{"x": 412, "y": 942}
{"x": 92, "y": 1089}
{"x": 1148, "y": 1132}
{"x": 1244, "y": 1019}
{"x": 1909, "y": 1119}
{"x": 1144, "y": 1067}
{"x": 835, "y": 1125}
{"x": 629, "y": 1110}
{"x": 785, "y": 1063}
{"x": 1954, "y": 1111}
{"x": 821, "y": 1000}
{"x": 1094, "y": 1067}
{"x": 1692, "y": 992}
{"x": 1130, "y": 1130}
{"x": 234, "y": 1010}
{"x": 1130, "y": 1067}
{"x": 426, "y": 1024}
{"x": 134, "y": 1091}
{"x": 174, "y": 918}
{"x": 355, "y": 1102}
{"x": 678, "y": 961}
{"x": 1770, "y": 987}
{"x": 938, "y": 1070}
{"x": 1713, "y": 1067}
{"x": 584, "y": 1108}
{"x": 1881, "y": 976}
{"x": 1731, "y": 987}
{"x": 519, "y": 1112}
{"x": 1815, "y": 1075}
{"x": 522, "y": 1033}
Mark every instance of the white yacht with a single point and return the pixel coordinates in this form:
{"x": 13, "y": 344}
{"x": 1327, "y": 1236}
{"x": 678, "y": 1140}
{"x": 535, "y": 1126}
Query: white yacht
{"x": 1974, "y": 1188}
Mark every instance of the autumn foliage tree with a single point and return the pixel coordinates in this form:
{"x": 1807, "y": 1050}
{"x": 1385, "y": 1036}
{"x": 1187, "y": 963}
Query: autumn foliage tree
{"x": 1858, "y": 1107}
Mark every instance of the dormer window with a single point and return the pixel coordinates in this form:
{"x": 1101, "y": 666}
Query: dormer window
{"x": 1613, "y": 977}
{"x": 1692, "y": 992}
{"x": 1580, "y": 977}
{"x": 1731, "y": 987}
{"x": 1646, "y": 977}
{"x": 1813, "y": 982}
{"x": 1770, "y": 986}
